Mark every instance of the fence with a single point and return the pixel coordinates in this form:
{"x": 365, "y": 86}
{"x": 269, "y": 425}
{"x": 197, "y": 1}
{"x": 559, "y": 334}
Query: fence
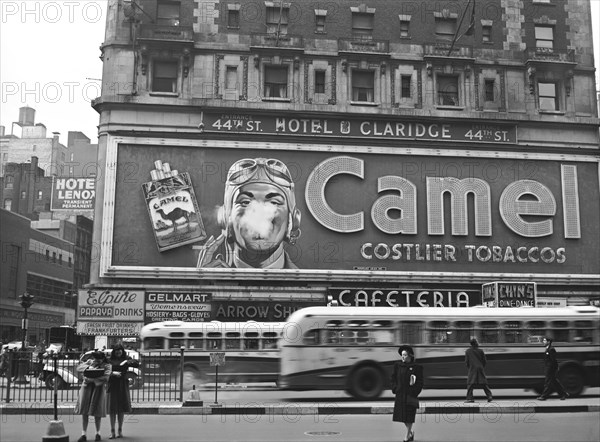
{"x": 25, "y": 378}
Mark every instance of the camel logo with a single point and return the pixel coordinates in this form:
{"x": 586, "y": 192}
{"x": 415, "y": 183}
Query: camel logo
{"x": 173, "y": 208}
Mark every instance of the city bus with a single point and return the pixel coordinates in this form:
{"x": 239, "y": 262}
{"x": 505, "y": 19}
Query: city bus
{"x": 250, "y": 349}
{"x": 354, "y": 348}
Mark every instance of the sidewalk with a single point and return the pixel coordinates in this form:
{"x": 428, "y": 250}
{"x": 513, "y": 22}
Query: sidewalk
{"x": 230, "y": 407}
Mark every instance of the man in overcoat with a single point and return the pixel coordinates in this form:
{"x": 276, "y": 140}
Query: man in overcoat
{"x": 476, "y": 361}
{"x": 551, "y": 382}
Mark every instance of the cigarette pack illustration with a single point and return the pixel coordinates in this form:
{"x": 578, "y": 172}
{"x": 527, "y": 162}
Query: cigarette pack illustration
{"x": 173, "y": 209}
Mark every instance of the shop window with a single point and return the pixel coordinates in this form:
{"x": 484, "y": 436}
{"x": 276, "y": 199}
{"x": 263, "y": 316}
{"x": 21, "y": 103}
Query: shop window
{"x": 447, "y": 90}
{"x": 362, "y": 25}
{"x": 544, "y": 38}
{"x": 363, "y": 86}
{"x": 167, "y": 13}
{"x": 276, "y": 78}
{"x": 164, "y": 76}
{"x": 277, "y": 19}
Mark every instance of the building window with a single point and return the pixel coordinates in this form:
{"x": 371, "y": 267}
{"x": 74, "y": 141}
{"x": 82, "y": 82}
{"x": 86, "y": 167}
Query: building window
{"x": 4, "y": 156}
{"x": 53, "y": 256}
{"x": 70, "y": 262}
{"x": 40, "y": 195}
{"x": 362, "y": 25}
{"x": 404, "y": 26}
{"x": 164, "y": 76}
{"x": 363, "y": 86}
{"x": 233, "y": 18}
{"x": 23, "y": 194}
{"x": 489, "y": 86}
{"x": 319, "y": 82}
{"x": 544, "y": 38}
{"x": 276, "y": 81}
{"x": 60, "y": 258}
{"x": 72, "y": 156}
{"x": 447, "y": 90}
{"x": 231, "y": 78}
{"x": 9, "y": 181}
{"x": 405, "y": 86}
{"x": 548, "y": 98}
{"x": 47, "y": 255}
{"x": 445, "y": 28}
{"x": 486, "y": 34}
{"x": 167, "y": 13}
{"x": 277, "y": 20}
{"x": 63, "y": 157}
{"x": 34, "y": 147}
{"x": 320, "y": 22}
{"x": 7, "y": 203}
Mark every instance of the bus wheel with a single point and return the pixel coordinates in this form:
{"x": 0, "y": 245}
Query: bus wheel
{"x": 366, "y": 382}
{"x": 572, "y": 380}
{"x": 51, "y": 379}
{"x": 191, "y": 378}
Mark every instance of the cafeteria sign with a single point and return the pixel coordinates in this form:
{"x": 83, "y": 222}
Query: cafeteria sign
{"x": 509, "y": 294}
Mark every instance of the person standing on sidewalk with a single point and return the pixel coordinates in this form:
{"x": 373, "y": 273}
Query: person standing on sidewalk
{"x": 476, "y": 362}
{"x": 407, "y": 383}
{"x": 551, "y": 372}
{"x": 118, "y": 398}
{"x": 92, "y": 395}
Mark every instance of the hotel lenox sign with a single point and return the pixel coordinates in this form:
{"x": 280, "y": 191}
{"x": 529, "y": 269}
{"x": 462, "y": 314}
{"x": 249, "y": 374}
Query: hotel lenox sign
{"x": 399, "y": 209}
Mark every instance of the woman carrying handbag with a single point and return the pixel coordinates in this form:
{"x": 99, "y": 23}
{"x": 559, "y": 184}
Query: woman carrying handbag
{"x": 407, "y": 383}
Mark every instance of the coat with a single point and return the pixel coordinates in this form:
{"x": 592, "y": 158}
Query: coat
{"x": 476, "y": 361}
{"x": 92, "y": 395}
{"x": 118, "y": 398}
{"x": 550, "y": 361}
{"x": 400, "y": 382}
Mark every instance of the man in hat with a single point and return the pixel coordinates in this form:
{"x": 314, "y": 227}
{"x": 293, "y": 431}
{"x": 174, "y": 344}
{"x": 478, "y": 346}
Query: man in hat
{"x": 476, "y": 361}
{"x": 551, "y": 371}
{"x": 258, "y": 215}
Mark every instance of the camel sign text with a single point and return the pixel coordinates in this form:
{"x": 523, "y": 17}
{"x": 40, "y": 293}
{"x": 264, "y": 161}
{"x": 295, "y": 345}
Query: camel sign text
{"x": 172, "y": 207}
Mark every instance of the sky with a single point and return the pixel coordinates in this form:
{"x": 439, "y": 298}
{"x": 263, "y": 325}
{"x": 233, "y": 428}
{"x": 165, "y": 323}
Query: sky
{"x": 49, "y": 60}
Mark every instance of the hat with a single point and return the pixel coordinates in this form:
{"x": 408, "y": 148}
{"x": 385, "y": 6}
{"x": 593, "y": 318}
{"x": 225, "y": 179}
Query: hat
{"x": 408, "y": 350}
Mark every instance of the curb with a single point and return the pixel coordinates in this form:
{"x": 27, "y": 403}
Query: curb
{"x": 328, "y": 410}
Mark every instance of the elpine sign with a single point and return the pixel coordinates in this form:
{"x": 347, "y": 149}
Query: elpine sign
{"x": 100, "y": 305}
{"x": 373, "y": 297}
{"x": 73, "y": 193}
{"x": 336, "y": 213}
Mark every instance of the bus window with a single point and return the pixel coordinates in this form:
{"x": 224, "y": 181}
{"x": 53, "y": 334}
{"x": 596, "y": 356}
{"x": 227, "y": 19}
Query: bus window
{"x": 232, "y": 341}
{"x": 410, "y": 332}
{"x": 382, "y": 336}
{"x": 311, "y": 337}
{"x": 330, "y": 337}
{"x": 347, "y": 337}
{"x": 214, "y": 341}
{"x": 560, "y": 331}
{"x": 536, "y": 331}
{"x": 439, "y": 332}
{"x": 154, "y": 344}
{"x": 512, "y": 332}
{"x": 196, "y": 340}
{"x": 584, "y": 332}
{"x": 176, "y": 340}
{"x": 464, "y": 332}
{"x": 489, "y": 332}
{"x": 269, "y": 340}
{"x": 362, "y": 337}
{"x": 251, "y": 341}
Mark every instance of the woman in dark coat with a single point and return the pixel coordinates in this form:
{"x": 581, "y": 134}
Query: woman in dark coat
{"x": 118, "y": 400}
{"x": 407, "y": 383}
{"x": 92, "y": 395}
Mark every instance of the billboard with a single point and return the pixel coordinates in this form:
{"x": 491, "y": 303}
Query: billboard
{"x": 322, "y": 210}
{"x": 69, "y": 193}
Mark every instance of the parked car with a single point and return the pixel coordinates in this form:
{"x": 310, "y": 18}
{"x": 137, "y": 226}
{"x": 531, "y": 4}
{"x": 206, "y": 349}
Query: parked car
{"x": 67, "y": 375}
{"x": 16, "y": 345}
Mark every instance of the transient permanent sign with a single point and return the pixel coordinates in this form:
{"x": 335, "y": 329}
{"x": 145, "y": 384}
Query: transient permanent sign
{"x": 73, "y": 193}
{"x": 360, "y": 128}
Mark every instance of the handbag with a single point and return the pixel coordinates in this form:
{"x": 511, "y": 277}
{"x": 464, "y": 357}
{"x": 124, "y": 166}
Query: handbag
{"x": 412, "y": 401}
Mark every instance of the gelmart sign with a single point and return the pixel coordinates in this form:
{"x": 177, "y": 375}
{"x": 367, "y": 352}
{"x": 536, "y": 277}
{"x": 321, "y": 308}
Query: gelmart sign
{"x": 387, "y": 209}
{"x": 73, "y": 193}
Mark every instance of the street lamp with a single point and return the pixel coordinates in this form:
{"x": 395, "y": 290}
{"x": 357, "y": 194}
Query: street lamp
{"x": 26, "y": 302}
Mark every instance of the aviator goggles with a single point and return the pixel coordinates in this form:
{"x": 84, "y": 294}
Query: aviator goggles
{"x": 248, "y": 169}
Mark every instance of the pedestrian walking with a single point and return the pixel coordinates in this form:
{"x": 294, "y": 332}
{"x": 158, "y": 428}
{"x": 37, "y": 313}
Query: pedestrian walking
{"x": 92, "y": 395}
{"x": 551, "y": 383}
{"x": 407, "y": 383}
{"x": 476, "y": 362}
{"x": 118, "y": 398}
